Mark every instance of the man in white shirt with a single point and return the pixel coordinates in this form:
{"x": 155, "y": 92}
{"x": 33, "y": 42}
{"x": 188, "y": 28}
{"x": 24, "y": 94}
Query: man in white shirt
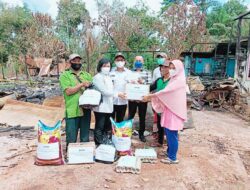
{"x": 119, "y": 75}
{"x": 144, "y": 78}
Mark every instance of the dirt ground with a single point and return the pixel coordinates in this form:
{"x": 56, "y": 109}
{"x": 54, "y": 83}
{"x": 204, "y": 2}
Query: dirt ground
{"x": 215, "y": 154}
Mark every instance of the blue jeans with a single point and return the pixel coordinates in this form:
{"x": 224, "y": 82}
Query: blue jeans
{"x": 172, "y": 142}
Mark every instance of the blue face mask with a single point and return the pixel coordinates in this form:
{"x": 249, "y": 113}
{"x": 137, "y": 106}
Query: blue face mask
{"x": 138, "y": 65}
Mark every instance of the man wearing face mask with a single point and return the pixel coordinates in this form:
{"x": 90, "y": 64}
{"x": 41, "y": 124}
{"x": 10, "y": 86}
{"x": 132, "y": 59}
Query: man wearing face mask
{"x": 160, "y": 59}
{"x": 73, "y": 82}
{"x": 144, "y": 78}
{"x": 119, "y": 75}
{"x": 156, "y": 86}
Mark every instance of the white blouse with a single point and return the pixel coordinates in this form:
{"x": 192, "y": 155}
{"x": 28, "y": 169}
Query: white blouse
{"x": 103, "y": 83}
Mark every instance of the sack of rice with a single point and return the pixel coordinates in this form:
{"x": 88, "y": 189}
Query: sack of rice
{"x": 49, "y": 149}
{"x": 121, "y": 136}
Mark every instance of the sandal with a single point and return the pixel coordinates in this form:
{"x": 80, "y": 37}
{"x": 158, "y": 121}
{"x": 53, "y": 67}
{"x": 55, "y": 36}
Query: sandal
{"x": 169, "y": 161}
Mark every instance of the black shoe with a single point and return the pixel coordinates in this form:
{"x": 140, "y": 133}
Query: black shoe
{"x": 142, "y": 138}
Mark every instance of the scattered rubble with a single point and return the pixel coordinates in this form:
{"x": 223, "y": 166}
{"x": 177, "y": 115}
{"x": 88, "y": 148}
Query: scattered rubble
{"x": 18, "y": 131}
{"x": 8, "y": 128}
{"x": 35, "y": 90}
{"x": 195, "y": 84}
{"x": 222, "y": 93}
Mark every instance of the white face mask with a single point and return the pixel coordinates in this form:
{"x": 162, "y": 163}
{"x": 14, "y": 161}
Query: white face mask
{"x": 105, "y": 70}
{"x": 172, "y": 72}
{"x": 120, "y": 64}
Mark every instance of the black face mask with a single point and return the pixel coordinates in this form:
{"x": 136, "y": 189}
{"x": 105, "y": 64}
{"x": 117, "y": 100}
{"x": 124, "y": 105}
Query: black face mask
{"x": 75, "y": 66}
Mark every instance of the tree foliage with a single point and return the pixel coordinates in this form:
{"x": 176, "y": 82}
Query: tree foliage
{"x": 116, "y": 25}
{"x": 220, "y": 20}
{"x": 146, "y": 37}
{"x": 183, "y": 25}
{"x": 13, "y": 20}
{"x": 71, "y": 20}
{"x": 180, "y": 24}
{"x": 40, "y": 40}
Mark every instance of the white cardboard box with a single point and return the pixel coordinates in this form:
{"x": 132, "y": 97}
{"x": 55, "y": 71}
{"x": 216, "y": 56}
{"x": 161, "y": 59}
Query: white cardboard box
{"x": 105, "y": 153}
{"x": 136, "y": 91}
{"x": 81, "y": 153}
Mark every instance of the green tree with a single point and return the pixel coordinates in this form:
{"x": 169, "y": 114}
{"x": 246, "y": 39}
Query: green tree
{"x": 39, "y": 38}
{"x": 220, "y": 20}
{"x": 145, "y": 38}
{"x": 71, "y": 21}
{"x": 116, "y": 26}
{"x": 13, "y": 20}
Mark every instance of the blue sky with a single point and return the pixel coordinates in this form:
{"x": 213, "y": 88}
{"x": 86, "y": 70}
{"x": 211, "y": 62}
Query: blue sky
{"x": 36, "y": 5}
{"x": 50, "y": 6}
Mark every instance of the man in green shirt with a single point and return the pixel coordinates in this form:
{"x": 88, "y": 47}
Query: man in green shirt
{"x": 159, "y": 85}
{"x": 73, "y": 82}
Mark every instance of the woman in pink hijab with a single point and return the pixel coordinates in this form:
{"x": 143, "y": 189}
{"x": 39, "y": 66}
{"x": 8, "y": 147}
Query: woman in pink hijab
{"x": 171, "y": 103}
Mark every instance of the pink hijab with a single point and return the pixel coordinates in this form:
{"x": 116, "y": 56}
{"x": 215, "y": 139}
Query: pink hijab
{"x": 174, "y": 95}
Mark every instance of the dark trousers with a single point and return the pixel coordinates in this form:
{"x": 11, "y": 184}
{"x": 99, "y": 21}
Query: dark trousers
{"x": 102, "y": 127}
{"x": 160, "y": 130}
{"x": 119, "y": 112}
{"x": 142, "y": 110}
{"x": 74, "y": 124}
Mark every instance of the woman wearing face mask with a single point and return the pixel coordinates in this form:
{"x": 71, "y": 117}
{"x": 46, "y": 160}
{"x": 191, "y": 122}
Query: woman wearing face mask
{"x": 119, "y": 76}
{"x": 144, "y": 78}
{"x": 103, "y": 83}
{"x": 172, "y": 104}
{"x": 73, "y": 82}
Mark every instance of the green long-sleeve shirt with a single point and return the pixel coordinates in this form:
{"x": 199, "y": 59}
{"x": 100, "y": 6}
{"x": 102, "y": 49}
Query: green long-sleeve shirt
{"x": 68, "y": 80}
